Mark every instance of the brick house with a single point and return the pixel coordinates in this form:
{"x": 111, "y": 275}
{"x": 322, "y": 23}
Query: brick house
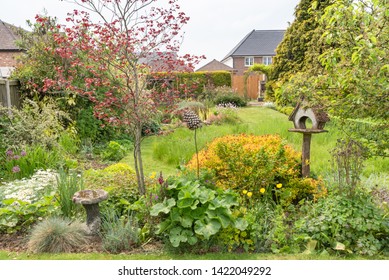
{"x": 259, "y": 47}
{"x": 8, "y": 48}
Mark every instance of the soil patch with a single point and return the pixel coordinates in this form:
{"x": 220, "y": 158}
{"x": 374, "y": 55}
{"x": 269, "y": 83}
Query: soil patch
{"x": 17, "y": 242}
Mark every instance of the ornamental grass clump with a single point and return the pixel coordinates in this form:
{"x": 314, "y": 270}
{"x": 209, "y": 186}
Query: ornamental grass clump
{"x": 57, "y": 235}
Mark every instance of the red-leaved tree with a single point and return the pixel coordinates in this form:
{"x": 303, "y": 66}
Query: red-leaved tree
{"x": 115, "y": 45}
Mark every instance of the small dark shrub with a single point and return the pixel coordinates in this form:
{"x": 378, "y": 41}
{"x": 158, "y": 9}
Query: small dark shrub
{"x": 114, "y": 151}
{"x": 231, "y": 98}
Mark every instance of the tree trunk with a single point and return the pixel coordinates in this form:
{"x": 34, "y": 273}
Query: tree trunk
{"x": 138, "y": 161}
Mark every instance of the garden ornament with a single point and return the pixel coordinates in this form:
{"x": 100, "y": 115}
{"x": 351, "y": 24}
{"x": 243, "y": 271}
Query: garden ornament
{"x": 299, "y": 117}
{"x": 90, "y": 199}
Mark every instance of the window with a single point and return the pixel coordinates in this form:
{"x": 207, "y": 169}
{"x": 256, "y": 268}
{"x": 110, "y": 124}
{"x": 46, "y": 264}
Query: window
{"x": 249, "y": 61}
{"x": 267, "y": 60}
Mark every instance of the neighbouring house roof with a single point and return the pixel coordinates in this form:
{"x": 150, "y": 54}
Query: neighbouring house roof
{"x": 258, "y": 43}
{"x": 164, "y": 61}
{"x": 215, "y": 65}
{"x": 8, "y": 37}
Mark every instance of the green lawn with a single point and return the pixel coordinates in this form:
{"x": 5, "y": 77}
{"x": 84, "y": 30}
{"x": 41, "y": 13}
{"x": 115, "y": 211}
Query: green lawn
{"x": 165, "y": 153}
{"x": 166, "y": 256}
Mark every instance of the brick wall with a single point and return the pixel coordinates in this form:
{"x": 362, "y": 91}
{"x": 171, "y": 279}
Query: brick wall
{"x": 239, "y": 64}
{"x": 7, "y": 58}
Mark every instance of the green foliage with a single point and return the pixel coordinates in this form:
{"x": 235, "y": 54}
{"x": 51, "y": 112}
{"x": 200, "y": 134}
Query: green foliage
{"x": 347, "y": 45}
{"x": 192, "y": 83}
{"x": 119, "y": 233}
{"x": 347, "y": 224}
{"x": 348, "y": 158}
{"x": 118, "y": 180}
{"x": 193, "y": 213}
{"x": 225, "y": 113}
{"x": 230, "y": 98}
{"x": 57, "y": 235}
{"x": 68, "y": 183}
{"x": 293, "y": 56}
{"x": 114, "y": 151}
{"x": 197, "y": 107}
{"x": 69, "y": 142}
{"x": 19, "y": 163}
{"x": 89, "y": 127}
{"x": 35, "y": 124}
{"x": 150, "y": 128}
{"x": 17, "y": 215}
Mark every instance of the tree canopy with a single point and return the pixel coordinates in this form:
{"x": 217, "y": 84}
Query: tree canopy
{"x": 346, "y": 69}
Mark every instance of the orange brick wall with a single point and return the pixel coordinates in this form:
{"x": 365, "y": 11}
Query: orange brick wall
{"x": 7, "y": 58}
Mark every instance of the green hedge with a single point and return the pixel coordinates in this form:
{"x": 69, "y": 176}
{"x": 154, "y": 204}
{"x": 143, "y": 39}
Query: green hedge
{"x": 191, "y": 82}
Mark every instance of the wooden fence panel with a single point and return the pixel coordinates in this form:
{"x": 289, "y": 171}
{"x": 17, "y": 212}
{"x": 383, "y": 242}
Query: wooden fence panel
{"x": 9, "y": 93}
{"x": 252, "y": 88}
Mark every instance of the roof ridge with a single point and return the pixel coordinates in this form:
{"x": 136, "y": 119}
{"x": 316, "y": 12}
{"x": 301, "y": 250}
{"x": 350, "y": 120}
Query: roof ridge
{"x": 238, "y": 45}
{"x": 7, "y": 26}
{"x": 9, "y": 31}
{"x": 250, "y": 45}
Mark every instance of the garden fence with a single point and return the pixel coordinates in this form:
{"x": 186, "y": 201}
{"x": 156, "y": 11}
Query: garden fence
{"x": 249, "y": 88}
{"x": 9, "y": 93}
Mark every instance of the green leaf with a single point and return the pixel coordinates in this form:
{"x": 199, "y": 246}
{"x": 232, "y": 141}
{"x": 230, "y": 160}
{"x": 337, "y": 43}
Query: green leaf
{"x": 186, "y": 221}
{"x": 206, "y": 195}
{"x": 9, "y": 222}
{"x": 207, "y": 227}
{"x": 198, "y": 213}
{"x": 241, "y": 224}
{"x": 163, "y": 207}
{"x": 175, "y": 215}
{"x": 187, "y": 202}
{"x": 176, "y": 236}
{"x": 161, "y": 227}
{"x": 339, "y": 246}
{"x": 223, "y": 215}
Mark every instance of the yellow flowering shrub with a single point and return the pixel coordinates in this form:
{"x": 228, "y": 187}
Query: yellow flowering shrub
{"x": 263, "y": 165}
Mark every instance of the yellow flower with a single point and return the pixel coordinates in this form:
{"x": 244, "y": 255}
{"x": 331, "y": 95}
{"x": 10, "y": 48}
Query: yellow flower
{"x": 249, "y": 194}
{"x": 262, "y": 190}
{"x": 244, "y": 192}
{"x": 153, "y": 175}
{"x": 279, "y": 186}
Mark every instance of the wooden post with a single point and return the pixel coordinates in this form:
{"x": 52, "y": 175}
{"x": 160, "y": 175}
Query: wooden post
{"x": 8, "y": 96}
{"x": 306, "y": 155}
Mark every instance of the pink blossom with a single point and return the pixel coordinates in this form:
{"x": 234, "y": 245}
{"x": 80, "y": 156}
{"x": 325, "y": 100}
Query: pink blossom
{"x": 16, "y": 169}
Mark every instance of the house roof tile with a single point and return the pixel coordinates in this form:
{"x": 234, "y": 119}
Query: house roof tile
{"x": 258, "y": 43}
{"x": 215, "y": 65}
{"x": 8, "y": 37}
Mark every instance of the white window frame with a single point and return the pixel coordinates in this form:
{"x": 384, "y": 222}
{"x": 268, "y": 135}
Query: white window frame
{"x": 267, "y": 60}
{"x": 249, "y": 61}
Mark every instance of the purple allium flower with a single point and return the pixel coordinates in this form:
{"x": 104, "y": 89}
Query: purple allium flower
{"x": 16, "y": 157}
{"x": 156, "y": 197}
{"x": 23, "y": 153}
{"x": 9, "y": 153}
{"x": 16, "y": 169}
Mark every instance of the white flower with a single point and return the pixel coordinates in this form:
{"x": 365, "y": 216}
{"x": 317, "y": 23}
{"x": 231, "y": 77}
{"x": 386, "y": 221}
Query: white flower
{"x": 31, "y": 189}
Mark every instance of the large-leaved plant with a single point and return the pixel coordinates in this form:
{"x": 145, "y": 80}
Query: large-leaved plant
{"x": 192, "y": 212}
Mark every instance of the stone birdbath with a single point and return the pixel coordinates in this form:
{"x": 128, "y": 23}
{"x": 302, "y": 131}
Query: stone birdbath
{"x": 90, "y": 199}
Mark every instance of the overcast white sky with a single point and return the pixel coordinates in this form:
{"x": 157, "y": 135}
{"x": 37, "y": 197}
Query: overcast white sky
{"x": 215, "y": 26}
